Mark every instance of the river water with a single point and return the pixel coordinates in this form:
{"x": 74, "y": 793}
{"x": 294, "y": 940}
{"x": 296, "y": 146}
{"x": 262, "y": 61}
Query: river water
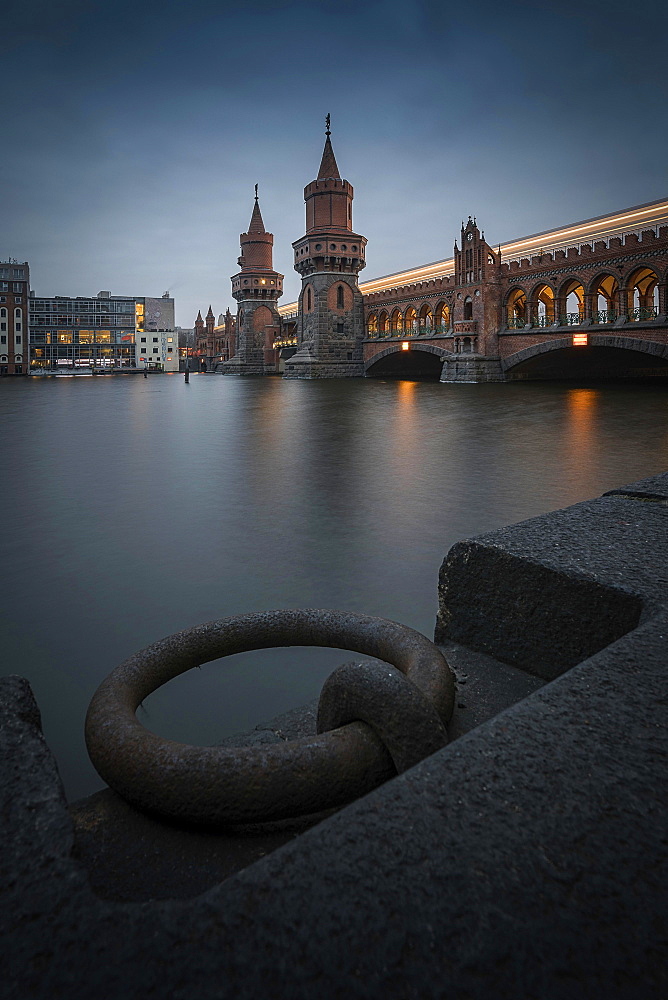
{"x": 132, "y": 508}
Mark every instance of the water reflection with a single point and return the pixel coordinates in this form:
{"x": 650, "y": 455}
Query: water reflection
{"x": 140, "y": 507}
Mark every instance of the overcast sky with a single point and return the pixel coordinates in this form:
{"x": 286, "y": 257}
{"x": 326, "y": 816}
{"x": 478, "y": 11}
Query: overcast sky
{"x": 134, "y": 132}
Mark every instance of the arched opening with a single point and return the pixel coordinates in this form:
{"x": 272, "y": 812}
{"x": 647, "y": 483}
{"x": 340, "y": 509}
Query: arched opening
{"x": 415, "y": 364}
{"x": 339, "y": 297}
{"x": 467, "y": 345}
{"x": 590, "y": 364}
{"x": 644, "y": 295}
{"x": 383, "y": 322}
{"x": 542, "y": 312}
{"x": 516, "y": 309}
{"x": 397, "y": 322}
{"x": 442, "y": 317}
{"x": 573, "y": 297}
{"x": 410, "y": 321}
{"x": 426, "y": 319}
{"x": 372, "y": 325}
{"x": 468, "y": 307}
{"x": 606, "y": 292}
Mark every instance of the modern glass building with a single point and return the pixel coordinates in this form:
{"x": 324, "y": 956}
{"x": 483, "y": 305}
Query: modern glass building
{"x": 106, "y": 331}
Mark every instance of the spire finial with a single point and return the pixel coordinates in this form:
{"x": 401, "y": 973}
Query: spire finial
{"x": 327, "y": 123}
{"x": 256, "y": 192}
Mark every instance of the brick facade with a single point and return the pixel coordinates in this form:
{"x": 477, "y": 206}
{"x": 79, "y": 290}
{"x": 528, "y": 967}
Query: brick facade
{"x": 330, "y": 322}
{"x": 14, "y": 317}
{"x": 256, "y": 288}
{"x": 491, "y": 316}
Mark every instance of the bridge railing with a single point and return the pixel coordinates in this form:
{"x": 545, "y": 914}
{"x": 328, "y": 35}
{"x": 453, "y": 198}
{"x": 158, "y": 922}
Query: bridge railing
{"x": 413, "y": 331}
{"x": 604, "y": 316}
{"x": 647, "y": 313}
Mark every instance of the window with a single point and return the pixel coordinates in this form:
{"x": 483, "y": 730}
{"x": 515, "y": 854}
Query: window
{"x": 339, "y": 297}
{"x": 143, "y": 340}
{"x": 18, "y": 339}
{"x": 18, "y": 272}
{"x": 17, "y": 327}
{"x": 143, "y": 350}
{"x": 155, "y": 350}
{"x": 17, "y": 287}
{"x": 155, "y": 340}
{"x": 339, "y": 327}
{"x": 3, "y": 339}
{"x": 4, "y": 286}
{"x": 308, "y": 298}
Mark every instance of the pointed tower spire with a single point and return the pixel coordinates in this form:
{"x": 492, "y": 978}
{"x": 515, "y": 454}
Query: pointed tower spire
{"x": 210, "y": 315}
{"x": 256, "y": 223}
{"x": 328, "y": 167}
{"x": 199, "y": 315}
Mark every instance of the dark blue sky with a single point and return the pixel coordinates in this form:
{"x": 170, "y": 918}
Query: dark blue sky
{"x": 137, "y": 131}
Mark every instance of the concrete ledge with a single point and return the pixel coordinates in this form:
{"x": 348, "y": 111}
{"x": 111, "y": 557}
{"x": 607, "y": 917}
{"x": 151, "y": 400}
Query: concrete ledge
{"x": 526, "y": 860}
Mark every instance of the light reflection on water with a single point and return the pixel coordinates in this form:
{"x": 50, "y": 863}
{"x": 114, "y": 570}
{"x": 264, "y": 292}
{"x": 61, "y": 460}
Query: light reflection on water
{"x": 133, "y": 508}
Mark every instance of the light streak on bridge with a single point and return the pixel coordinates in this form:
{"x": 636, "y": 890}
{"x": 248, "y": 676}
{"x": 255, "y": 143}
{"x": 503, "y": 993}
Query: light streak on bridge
{"x": 602, "y": 227}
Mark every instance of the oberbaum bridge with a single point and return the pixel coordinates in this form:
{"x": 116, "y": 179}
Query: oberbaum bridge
{"x": 588, "y": 299}
{"x": 397, "y": 843}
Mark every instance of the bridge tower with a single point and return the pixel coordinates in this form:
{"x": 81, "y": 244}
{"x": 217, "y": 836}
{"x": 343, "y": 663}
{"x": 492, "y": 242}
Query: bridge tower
{"x": 257, "y": 288}
{"x": 476, "y": 309}
{"x": 330, "y": 326}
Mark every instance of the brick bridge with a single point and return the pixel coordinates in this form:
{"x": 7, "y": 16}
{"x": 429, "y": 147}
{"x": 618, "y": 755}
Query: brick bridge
{"x": 596, "y": 309}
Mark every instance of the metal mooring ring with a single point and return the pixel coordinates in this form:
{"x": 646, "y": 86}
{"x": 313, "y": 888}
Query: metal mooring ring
{"x": 218, "y": 786}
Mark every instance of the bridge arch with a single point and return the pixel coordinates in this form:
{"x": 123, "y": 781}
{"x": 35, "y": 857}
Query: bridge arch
{"x": 541, "y": 304}
{"x": 426, "y": 317}
{"x": 515, "y": 307}
{"x": 615, "y": 348}
{"x": 425, "y": 359}
{"x": 410, "y": 320}
{"x": 604, "y": 292}
{"x": 442, "y": 317}
{"x": 641, "y": 290}
{"x": 570, "y": 302}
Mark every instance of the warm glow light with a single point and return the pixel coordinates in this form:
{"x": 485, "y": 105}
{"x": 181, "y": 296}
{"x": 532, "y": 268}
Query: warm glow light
{"x": 603, "y": 227}
{"x": 580, "y": 339}
{"x": 405, "y": 346}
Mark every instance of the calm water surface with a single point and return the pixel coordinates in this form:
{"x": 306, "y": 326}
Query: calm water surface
{"x": 134, "y": 507}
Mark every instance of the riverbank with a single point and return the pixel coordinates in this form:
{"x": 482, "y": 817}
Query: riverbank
{"x": 526, "y": 858}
